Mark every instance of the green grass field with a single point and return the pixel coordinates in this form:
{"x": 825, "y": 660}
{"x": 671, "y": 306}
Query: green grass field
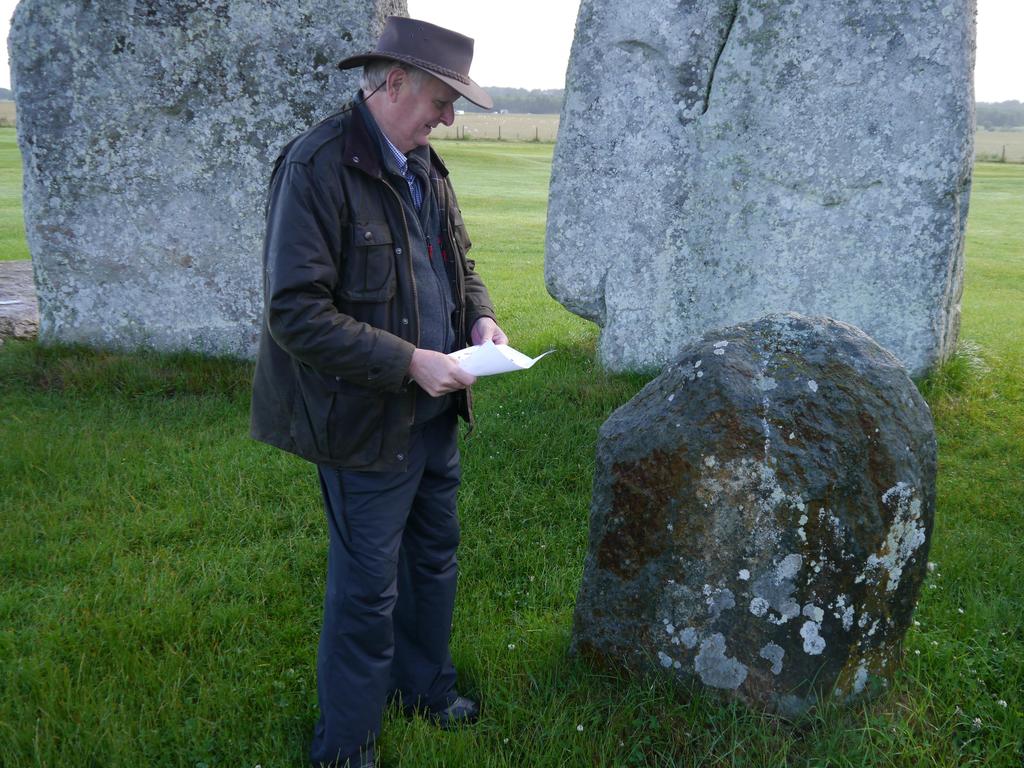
{"x": 163, "y": 575}
{"x": 475, "y": 125}
{"x": 12, "y": 224}
{"x": 993, "y": 145}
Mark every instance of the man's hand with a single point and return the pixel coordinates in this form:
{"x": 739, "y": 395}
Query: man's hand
{"x": 484, "y": 330}
{"x": 437, "y": 373}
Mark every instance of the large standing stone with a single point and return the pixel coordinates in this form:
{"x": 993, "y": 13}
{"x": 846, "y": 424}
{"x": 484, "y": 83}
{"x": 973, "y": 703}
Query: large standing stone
{"x": 761, "y": 516}
{"x": 148, "y": 130}
{"x": 720, "y": 160}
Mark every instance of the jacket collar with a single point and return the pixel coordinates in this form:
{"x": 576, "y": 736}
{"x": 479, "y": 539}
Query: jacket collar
{"x": 362, "y": 150}
{"x": 438, "y": 163}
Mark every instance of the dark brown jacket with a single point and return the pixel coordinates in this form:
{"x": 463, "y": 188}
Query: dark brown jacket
{"x": 340, "y": 310}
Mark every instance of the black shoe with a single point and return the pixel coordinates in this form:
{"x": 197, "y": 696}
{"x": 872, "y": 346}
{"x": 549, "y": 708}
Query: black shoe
{"x": 365, "y": 759}
{"x": 460, "y": 712}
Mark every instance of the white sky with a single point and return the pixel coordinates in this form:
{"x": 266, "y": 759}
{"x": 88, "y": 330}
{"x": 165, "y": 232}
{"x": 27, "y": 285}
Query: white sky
{"x": 513, "y": 49}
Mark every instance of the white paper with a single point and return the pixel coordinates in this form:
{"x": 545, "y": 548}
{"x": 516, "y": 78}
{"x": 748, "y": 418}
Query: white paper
{"x": 489, "y": 358}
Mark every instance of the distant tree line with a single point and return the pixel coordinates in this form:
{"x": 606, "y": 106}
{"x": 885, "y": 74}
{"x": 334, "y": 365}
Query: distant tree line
{"x": 1004, "y": 114}
{"x": 6, "y": 94}
{"x": 520, "y": 101}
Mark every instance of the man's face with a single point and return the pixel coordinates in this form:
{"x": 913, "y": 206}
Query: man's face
{"x": 417, "y": 111}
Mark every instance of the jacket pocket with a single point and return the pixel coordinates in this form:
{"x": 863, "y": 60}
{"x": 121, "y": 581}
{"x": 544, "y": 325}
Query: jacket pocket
{"x": 355, "y": 428}
{"x": 459, "y": 233}
{"x": 368, "y": 263}
{"x": 337, "y": 421}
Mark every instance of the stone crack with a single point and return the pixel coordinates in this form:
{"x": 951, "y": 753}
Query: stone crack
{"x": 718, "y": 55}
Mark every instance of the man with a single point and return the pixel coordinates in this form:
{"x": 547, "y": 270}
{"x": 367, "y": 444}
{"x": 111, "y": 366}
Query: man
{"x": 367, "y": 288}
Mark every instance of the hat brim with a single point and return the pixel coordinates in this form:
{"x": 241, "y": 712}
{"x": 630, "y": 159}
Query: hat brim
{"x": 470, "y": 90}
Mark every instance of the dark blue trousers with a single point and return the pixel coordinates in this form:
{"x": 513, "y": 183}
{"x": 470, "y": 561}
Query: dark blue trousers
{"x": 391, "y": 573}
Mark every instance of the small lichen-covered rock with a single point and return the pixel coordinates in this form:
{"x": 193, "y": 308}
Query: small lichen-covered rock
{"x": 147, "y": 131}
{"x": 719, "y": 160}
{"x": 761, "y": 516}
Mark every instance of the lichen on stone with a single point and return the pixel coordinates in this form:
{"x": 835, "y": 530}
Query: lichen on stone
{"x": 715, "y": 668}
{"x": 773, "y": 653}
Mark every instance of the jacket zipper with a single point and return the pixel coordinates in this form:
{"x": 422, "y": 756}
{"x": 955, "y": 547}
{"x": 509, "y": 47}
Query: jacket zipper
{"x": 412, "y": 276}
{"x": 460, "y": 338}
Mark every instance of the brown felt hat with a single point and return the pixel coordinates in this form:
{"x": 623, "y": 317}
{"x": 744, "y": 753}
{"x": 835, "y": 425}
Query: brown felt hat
{"x": 443, "y": 53}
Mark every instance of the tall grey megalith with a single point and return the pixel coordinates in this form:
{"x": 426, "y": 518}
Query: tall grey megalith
{"x": 719, "y": 160}
{"x": 148, "y": 131}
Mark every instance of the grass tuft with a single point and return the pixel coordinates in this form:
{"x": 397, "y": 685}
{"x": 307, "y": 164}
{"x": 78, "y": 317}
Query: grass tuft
{"x": 955, "y": 377}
